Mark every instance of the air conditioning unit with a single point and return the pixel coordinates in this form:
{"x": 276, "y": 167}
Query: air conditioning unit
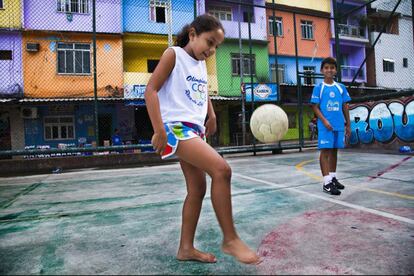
{"x": 28, "y": 112}
{"x": 32, "y": 47}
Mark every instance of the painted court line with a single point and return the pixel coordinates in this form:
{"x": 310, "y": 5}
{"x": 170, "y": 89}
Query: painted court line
{"x": 336, "y": 201}
{"x": 390, "y": 168}
{"x": 300, "y": 168}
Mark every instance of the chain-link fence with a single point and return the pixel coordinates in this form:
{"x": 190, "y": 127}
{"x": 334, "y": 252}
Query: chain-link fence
{"x": 74, "y": 71}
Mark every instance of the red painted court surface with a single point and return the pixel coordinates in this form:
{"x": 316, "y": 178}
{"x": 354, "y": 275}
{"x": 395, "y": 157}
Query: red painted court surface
{"x": 127, "y": 221}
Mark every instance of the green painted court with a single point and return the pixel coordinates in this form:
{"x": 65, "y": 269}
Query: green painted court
{"x": 127, "y": 221}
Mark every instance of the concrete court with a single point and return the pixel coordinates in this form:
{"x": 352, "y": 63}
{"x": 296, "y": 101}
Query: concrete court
{"x": 127, "y": 221}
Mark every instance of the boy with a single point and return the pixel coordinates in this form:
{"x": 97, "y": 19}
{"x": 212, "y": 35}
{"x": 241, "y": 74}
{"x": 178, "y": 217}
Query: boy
{"x": 329, "y": 101}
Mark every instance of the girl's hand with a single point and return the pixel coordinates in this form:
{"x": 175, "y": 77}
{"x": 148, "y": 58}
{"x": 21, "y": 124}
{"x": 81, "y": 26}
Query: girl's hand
{"x": 159, "y": 142}
{"x": 211, "y": 126}
{"x": 327, "y": 125}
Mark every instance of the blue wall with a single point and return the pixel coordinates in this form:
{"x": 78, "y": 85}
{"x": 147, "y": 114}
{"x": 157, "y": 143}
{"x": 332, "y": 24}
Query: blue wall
{"x": 84, "y": 119}
{"x": 290, "y": 66}
{"x": 137, "y": 17}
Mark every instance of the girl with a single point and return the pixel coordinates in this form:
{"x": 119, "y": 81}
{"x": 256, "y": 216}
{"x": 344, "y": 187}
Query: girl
{"x": 177, "y": 101}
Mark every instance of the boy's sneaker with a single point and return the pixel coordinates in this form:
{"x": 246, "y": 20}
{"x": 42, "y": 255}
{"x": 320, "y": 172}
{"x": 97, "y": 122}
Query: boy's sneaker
{"x": 331, "y": 189}
{"x": 337, "y": 184}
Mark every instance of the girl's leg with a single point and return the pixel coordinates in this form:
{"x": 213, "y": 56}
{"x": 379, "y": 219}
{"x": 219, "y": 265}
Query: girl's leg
{"x": 199, "y": 154}
{"x": 195, "y": 180}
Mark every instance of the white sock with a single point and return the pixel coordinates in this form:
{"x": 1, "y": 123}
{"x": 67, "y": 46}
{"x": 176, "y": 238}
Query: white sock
{"x": 327, "y": 179}
{"x": 332, "y": 174}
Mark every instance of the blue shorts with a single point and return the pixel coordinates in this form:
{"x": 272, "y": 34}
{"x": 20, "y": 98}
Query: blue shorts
{"x": 328, "y": 139}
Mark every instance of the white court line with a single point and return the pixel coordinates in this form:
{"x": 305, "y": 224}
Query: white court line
{"x": 340, "y": 202}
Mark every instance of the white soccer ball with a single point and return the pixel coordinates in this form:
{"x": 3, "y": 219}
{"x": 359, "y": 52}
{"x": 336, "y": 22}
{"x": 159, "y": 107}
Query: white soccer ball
{"x": 269, "y": 123}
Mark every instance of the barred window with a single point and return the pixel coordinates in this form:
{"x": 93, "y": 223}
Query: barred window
{"x": 281, "y": 68}
{"x": 388, "y": 65}
{"x": 222, "y": 13}
{"x": 235, "y": 64}
{"x": 159, "y": 10}
{"x": 59, "y": 128}
{"x": 278, "y": 24}
{"x": 73, "y": 6}
{"x": 309, "y": 71}
{"x": 74, "y": 58}
{"x": 307, "y": 29}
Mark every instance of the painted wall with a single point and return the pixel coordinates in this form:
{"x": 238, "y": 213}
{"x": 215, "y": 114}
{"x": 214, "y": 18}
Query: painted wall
{"x": 318, "y": 47}
{"x": 293, "y": 133}
{"x": 84, "y": 124}
{"x": 258, "y": 26}
{"x": 11, "y": 70}
{"x": 229, "y": 85}
{"x": 139, "y": 48}
{"x": 356, "y": 55}
{"x": 136, "y": 16}
{"x": 40, "y": 68}
{"x": 395, "y": 47}
{"x": 319, "y": 5}
{"x": 43, "y": 15}
{"x": 10, "y": 15}
{"x": 382, "y": 121}
{"x": 290, "y": 67}
{"x": 386, "y": 5}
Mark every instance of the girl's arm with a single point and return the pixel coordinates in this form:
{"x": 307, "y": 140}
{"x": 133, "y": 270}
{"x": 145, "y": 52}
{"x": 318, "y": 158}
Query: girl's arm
{"x": 317, "y": 111}
{"x": 211, "y": 124}
{"x": 159, "y": 76}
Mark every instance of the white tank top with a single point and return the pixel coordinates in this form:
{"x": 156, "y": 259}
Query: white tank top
{"x": 183, "y": 96}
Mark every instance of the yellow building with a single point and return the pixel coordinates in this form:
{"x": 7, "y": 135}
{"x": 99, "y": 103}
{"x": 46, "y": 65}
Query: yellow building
{"x": 142, "y": 53}
{"x": 10, "y": 14}
{"x": 319, "y": 5}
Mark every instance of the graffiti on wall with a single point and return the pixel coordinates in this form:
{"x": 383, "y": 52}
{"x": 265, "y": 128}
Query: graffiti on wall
{"x": 382, "y": 121}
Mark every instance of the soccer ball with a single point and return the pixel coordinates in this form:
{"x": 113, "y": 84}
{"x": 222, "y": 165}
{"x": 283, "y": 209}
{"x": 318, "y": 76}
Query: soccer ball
{"x": 269, "y": 123}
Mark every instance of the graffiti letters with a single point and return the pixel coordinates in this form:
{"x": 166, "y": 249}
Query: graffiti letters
{"x": 383, "y": 122}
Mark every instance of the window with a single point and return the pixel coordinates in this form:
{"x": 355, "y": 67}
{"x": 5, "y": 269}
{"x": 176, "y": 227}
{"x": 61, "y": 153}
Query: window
{"x": 309, "y": 71}
{"x": 59, "y": 128}
{"x": 151, "y": 64}
{"x": 74, "y": 58}
{"x": 307, "y": 29}
{"x": 159, "y": 10}
{"x": 6, "y": 55}
{"x": 405, "y": 62}
{"x": 235, "y": 65}
{"x": 388, "y": 65}
{"x": 277, "y": 23}
{"x": 246, "y": 15}
{"x": 222, "y": 13}
{"x": 73, "y": 6}
{"x": 280, "y": 72}
{"x": 291, "y": 119}
{"x": 1, "y": 4}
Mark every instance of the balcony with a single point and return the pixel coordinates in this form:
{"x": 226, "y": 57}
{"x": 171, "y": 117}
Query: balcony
{"x": 352, "y": 32}
{"x": 348, "y": 73}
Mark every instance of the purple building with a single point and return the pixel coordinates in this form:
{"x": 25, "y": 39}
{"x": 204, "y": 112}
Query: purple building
{"x": 353, "y": 36}
{"x": 11, "y": 64}
{"x": 73, "y": 15}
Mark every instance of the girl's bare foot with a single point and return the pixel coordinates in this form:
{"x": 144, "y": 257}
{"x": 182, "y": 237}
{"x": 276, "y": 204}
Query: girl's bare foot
{"x": 240, "y": 251}
{"x": 195, "y": 255}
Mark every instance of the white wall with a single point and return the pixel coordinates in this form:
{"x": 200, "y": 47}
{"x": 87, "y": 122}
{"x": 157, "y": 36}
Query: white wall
{"x": 395, "y": 47}
{"x": 388, "y": 5}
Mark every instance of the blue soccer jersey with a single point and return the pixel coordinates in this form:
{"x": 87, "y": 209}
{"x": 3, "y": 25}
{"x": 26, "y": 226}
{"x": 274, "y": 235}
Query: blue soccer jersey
{"x": 330, "y": 98}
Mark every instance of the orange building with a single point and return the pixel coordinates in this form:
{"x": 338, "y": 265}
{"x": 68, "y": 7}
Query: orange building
{"x": 317, "y": 46}
{"x": 60, "y": 65}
